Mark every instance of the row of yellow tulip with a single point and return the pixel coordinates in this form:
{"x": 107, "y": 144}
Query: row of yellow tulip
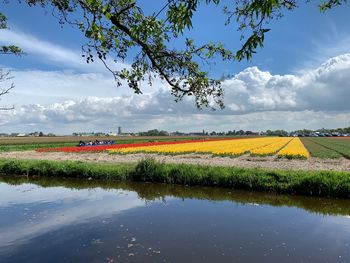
{"x": 255, "y": 146}
{"x": 230, "y": 147}
{"x": 200, "y": 147}
{"x": 294, "y": 149}
{"x": 271, "y": 148}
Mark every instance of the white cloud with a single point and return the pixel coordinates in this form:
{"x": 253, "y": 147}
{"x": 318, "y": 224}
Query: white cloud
{"x": 255, "y": 100}
{"x": 55, "y": 54}
{"x": 324, "y": 88}
{"x": 96, "y": 114}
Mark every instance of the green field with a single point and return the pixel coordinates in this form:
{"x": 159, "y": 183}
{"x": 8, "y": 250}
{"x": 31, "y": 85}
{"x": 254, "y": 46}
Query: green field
{"x": 327, "y": 147}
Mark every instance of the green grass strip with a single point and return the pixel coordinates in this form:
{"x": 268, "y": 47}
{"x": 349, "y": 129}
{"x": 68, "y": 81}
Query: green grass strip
{"x": 317, "y": 150}
{"x": 336, "y": 145}
{"x": 313, "y": 183}
{"x": 33, "y": 146}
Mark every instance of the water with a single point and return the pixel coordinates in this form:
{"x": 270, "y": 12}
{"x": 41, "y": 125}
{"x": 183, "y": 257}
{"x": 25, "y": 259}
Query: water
{"x": 51, "y": 220}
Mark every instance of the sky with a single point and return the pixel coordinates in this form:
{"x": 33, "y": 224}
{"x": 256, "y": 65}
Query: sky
{"x": 300, "y": 79}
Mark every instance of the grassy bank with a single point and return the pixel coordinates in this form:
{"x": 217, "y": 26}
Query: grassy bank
{"x": 314, "y": 183}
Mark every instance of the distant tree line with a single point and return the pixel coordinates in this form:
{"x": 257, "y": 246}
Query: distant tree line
{"x": 30, "y": 134}
{"x": 276, "y": 133}
{"x": 154, "y": 132}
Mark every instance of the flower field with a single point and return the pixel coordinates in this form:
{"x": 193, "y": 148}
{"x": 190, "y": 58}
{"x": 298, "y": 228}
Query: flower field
{"x": 284, "y": 146}
{"x": 263, "y": 146}
{"x": 271, "y": 148}
{"x": 294, "y": 149}
{"x": 101, "y": 148}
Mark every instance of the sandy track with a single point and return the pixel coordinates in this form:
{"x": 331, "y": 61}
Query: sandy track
{"x": 243, "y": 161}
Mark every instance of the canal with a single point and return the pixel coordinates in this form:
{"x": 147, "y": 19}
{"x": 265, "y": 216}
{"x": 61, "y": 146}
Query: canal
{"x": 65, "y": 220}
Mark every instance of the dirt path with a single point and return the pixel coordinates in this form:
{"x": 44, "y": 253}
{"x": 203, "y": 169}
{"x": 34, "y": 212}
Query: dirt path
{"x": 243, "y": 161}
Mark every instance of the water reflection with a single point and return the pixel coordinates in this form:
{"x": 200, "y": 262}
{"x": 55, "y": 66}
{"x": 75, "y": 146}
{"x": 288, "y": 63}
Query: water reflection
{"x": 48, "y": 209}
{"x": 151, "y": 192}
{"x": 56, "y": 220}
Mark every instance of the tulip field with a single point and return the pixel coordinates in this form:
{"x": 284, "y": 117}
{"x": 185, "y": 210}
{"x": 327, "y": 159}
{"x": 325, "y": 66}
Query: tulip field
{"x": 294, "y": 149}
{"x": 101, "y": 148}
{"x": 280, "y": 147}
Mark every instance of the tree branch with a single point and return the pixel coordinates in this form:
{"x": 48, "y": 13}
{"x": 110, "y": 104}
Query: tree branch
{"x": 148, "y": 51}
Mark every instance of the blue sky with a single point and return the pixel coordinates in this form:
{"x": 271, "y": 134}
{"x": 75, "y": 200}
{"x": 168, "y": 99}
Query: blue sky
{"x": 54, "y": 86}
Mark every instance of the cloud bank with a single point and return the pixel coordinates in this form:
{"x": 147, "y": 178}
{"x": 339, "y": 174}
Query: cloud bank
{"x": 254, "y": 99}
{"x": 326, "y": 88}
